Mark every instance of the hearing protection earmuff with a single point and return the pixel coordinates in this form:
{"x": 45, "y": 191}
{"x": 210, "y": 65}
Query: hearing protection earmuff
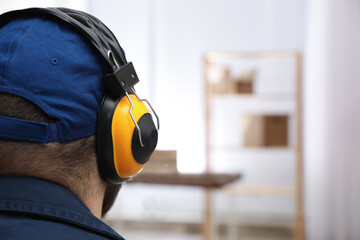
{"x": 126, "y": 135}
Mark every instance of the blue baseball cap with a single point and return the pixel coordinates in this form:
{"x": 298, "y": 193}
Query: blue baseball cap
{"x": 48, "y": 63}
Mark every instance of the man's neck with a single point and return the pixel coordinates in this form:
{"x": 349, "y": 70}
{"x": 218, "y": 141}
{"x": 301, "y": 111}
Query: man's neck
{"x": 94, "y": 200}
{"x": 94, "y": 196}
{"x": 91, "y": 193}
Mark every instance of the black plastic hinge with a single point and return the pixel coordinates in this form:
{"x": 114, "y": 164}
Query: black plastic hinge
{"x": 121, "y": 81}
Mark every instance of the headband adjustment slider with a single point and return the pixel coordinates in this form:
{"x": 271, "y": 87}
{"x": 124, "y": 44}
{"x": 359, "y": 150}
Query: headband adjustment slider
{"x": 122, "y": 80}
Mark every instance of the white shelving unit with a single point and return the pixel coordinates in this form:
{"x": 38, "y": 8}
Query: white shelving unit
{"x": 276, "y": 90}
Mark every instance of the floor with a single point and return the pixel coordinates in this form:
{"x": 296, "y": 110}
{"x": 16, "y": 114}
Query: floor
{"x": 170, "y": 231}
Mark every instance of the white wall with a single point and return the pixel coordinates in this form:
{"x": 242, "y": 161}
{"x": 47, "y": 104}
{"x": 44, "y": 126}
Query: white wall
{"x": 167, "y": 39}
{"x": 188, "y": 29}
{"x": 19, "y": 4}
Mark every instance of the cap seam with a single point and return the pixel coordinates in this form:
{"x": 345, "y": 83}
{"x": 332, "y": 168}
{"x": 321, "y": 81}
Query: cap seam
{"x": 11, "y": 51}
{"x": 59, "y": 125}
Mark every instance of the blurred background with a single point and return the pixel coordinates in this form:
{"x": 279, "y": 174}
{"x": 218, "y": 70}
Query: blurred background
{"x": 259, "y": 109}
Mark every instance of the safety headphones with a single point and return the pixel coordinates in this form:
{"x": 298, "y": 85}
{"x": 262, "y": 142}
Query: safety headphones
{"x": 126, "y": 135}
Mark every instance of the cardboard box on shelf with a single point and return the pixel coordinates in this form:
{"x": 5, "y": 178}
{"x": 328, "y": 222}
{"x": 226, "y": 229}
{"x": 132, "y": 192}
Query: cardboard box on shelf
{"x": 245, "y": 81}
{"x": 162, "y": 161}
{"x": 223, "y": 80}
{"x": 253, "y": 130}
{"x": 276, "y": 131}
{"x": 265, "y": 130}
{"x": 244, "y": 87}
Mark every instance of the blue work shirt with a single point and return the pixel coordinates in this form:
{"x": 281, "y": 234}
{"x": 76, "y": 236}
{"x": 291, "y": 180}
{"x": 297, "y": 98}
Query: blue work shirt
{"x": 31, "y": 208}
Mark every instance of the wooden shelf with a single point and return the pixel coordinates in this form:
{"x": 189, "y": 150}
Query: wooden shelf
{"x": 211, "y": 180}
{"x": 220, "y": 104}
{"x": 212, "y": 57}
{"x": 255, "y": 96}
{"x": 229, "y": 147}
{"x": 261, "y": 149}
{"x": 261, "y": 190}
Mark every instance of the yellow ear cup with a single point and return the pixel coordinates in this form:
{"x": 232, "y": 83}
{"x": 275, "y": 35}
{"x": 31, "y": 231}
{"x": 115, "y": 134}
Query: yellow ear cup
{"x": 122, "y": 132}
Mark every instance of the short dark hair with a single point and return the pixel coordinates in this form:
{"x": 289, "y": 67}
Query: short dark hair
{"x": 65, "y": 163}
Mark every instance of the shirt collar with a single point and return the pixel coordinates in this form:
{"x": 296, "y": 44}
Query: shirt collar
{"x": 40, "y": 197}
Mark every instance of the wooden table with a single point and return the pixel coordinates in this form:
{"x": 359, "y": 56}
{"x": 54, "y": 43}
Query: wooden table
{"x": 211, "y": 180}
{"x": 207, "y": 180}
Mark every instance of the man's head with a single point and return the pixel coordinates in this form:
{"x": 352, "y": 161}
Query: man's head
{"x": 72, "y": 164}
{"x": 58, "y": 120}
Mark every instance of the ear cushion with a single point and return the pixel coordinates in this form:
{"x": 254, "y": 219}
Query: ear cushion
{"x": 120, "y": 153}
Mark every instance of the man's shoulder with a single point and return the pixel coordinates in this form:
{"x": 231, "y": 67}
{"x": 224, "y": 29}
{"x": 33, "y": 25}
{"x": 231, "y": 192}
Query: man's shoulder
{"x": 19, "y": 227}
{"x": 37, "y": 209}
